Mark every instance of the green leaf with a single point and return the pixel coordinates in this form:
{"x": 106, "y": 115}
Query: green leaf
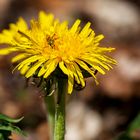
{"x": 12, "y": 128}
{"x": 8, "y": 119}
{"x": 1, "y": 136}
{"x": 7, "y": 127}
{"x": 123, "y": 136}
{"x": 134, "y": 125}
{"x": 4, "y": 135}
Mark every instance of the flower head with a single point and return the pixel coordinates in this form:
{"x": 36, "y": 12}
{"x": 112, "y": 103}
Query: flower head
{"x": 49, "y": 45}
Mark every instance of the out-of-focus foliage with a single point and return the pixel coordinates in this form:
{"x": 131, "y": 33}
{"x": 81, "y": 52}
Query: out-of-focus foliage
{"x": 7, "y": 127}
{"x": 132, "y": 132}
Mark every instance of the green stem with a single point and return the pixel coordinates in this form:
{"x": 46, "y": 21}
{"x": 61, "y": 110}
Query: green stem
{"x": 50, "y": 106}
{"x": 59, "y": 129}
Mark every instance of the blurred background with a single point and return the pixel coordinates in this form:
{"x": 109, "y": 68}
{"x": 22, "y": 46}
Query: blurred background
{"x": 97, "y": 112}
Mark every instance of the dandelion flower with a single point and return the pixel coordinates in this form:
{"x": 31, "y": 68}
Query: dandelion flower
{"x": 49, "y": 45}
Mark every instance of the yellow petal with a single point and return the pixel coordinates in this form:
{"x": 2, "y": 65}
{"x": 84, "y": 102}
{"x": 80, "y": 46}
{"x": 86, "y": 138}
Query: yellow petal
{"x": 45, "y": 20}
{"x": 98, "y": 38}
{"x": 109, "y": 59}
{"x": 21, "y": 24}
{"x": 6, "y": 51}
{"x": 104, "y": 49}
{"x": 94, "y": 60}
{"x": 84, "y": 66}
{"x": 70, "y": 80}
{"x": 24, "y": 69}
{"x": 63, "y": 26}
{"x": 85, "y": 31}
{"x": 5, "y": 39}
{"x": 70, "y": 83}
{"x": 72, "y": 68}
{"x": 19, "y": 57}
{"x": 50, "y": 68}
{"x": 28, "y": 60}
{"x": 103, "y": 58}
{"x": 63, "y": 68}
{"x": 79, "y": 73}
{"x": 92, "y": 63}
{"x": 89, "y": 39}
{"x": 99, "y": 69}
{"x": 42, "y": 71}
{"x": 75, "y": 26}
{"x": 45, "y": 66}
{"x": 7, "y": 36}
{"x": 33, "y": 69}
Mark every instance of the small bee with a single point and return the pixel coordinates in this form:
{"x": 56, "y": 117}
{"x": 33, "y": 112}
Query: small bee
{"x": 51, "y": 40}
